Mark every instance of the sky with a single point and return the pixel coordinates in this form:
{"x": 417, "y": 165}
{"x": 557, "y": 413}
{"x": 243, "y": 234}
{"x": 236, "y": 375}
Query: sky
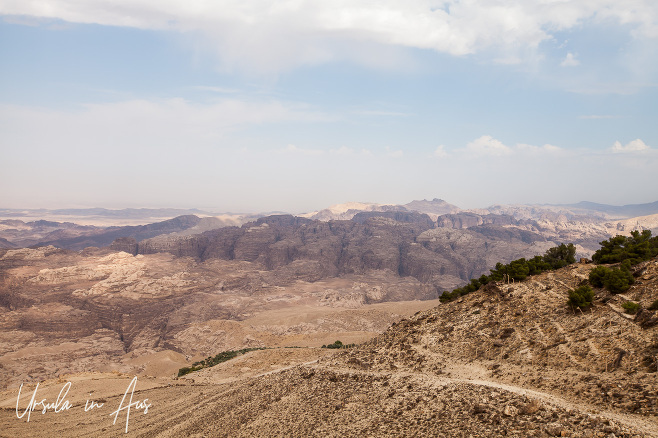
{"x": 295, "y": 105}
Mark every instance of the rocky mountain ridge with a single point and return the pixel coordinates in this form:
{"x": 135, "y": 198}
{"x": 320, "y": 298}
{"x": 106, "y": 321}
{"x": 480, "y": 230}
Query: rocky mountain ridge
{"x": 410, "y": 246}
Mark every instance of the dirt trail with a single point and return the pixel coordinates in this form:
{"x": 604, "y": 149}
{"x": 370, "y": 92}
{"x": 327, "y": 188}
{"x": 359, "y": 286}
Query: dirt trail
{"x": 476, "y": 375}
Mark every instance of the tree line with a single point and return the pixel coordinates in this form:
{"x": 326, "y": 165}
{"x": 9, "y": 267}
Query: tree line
{"x": 518, "y": 270}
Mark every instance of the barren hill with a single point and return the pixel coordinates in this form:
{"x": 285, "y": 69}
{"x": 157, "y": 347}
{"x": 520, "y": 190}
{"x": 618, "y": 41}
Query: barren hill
{"x": 508, "y": 360}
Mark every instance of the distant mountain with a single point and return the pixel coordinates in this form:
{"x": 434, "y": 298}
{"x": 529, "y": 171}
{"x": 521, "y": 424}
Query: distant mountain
{"x": 23, "y": 234}
{"x": 397, "y": 216}
{"x": 405, "y": 243}
{"x": 125, "y": 213}
{"x": 348, "y": 210}
{"x": 434, "y": 207}
{"x": 5, "y": 244}
{"x": 138, "y": 232}
{"x": 618, "y": 212}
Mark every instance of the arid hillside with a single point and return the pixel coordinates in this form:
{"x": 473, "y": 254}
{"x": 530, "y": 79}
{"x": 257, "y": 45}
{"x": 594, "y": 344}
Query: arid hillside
{"x": 508, "y": 360}
{"x": 65, "y": 312}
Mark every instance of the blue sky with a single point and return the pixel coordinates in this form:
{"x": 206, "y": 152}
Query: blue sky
{"x": 297, "y": 105}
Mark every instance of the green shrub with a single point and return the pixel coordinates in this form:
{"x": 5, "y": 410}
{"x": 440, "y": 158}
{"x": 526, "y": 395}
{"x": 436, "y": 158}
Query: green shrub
{"x": 631, "y": 307}
{"x": 636, "y": 248}
{"x": 339, "y": 344}
{"x": 597, "y": 276}
{"x": 518, "y": 270}
{"x": 211, "y": 361}
{"x": 581, "y": 297}
{"x": 616, "y": 280}
{"x": 560, "y": 256}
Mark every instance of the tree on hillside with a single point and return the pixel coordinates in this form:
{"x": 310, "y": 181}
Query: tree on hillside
{"x": 616, "y": 280}
{"x": 560, "y": 256}
{"x": 635, "y": 248}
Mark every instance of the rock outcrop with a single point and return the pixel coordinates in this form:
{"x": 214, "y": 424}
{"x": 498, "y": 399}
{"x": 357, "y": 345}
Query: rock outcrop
{"x": 405, "y": 243}
{"x": 468, "y": 220}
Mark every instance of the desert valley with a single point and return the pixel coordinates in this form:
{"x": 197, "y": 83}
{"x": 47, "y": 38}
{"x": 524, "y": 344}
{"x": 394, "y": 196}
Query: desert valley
{"x": 329, "y": 218}
{"x": 99, "y": 301}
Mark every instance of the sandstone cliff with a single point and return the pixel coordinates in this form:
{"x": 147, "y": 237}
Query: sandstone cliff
{"x": 404, "y": 243}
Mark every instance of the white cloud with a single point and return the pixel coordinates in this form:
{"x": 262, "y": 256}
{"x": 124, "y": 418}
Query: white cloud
{"x": 346, "y": 151}
{"x": 440, "y": 152}
{"x": 274, "y": 35}
{"x": 633, "y": 146}
{"x": 487, "y": 146}
{"x": 391, "y": 153}
{"x": 343, "y": 150}
{"x": 570, "y": 61}
{"x": 292, "y": 149}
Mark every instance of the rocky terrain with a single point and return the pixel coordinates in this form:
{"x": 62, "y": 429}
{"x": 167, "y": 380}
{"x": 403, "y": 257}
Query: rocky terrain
{"x": 64, "y": 312}
{"x": 406, "y": 244}
{"x": 508, "y": 360}
{"x": 347, "y": 211}
{"x": 444, "y": 253}
{"x": 584, "y": 223}
{"x": 80, "y": 228}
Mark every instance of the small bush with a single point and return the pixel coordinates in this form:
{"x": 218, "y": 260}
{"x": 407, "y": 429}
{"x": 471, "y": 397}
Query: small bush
{"x": 616, "y": 280}
{"x": 560, "y": 256}
{"x": 630, "y": 307}
{"x": 597, "y": 276}
{"x": 654, "y": 305}
{"x": 581, "y": 297}
{"x": 339, "y": 344}
{"x": 211, "y": 361}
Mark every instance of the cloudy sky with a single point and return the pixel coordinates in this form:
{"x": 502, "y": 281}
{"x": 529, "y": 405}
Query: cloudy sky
{"x": 295, "y": 105}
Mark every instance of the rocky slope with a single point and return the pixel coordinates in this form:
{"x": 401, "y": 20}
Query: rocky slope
{"x": 406, "y": 244}
{"x": 21, "y": 234}
{"x": 64, "y": 312}
{"x": 508, "y": 360}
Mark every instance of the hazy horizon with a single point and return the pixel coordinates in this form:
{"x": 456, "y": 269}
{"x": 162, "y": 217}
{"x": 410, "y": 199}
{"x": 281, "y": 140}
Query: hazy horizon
{"x": 298, "y": 106}
{"x": 220, "y": 210}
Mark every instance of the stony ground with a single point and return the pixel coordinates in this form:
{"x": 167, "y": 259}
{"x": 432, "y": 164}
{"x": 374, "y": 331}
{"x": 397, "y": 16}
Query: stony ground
{"x": 510, "y": 360}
